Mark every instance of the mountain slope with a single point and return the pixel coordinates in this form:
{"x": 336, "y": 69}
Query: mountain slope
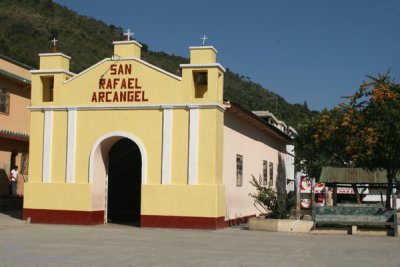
{"x": 27, "y": 26}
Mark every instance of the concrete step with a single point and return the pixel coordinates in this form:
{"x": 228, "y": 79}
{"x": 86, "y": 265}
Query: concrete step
{"x": 346, "y": 231}
{"x": 329, "y": 231}
{"x": 374, "y": 232}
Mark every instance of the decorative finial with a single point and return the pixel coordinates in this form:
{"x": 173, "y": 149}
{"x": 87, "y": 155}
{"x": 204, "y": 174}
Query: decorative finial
{"x": 128, "y": 35}
{"x": 54, "y": 48}
{"x": 204, "y": 38}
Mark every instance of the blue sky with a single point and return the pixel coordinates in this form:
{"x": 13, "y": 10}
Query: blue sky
{"x": 309, "y": 50}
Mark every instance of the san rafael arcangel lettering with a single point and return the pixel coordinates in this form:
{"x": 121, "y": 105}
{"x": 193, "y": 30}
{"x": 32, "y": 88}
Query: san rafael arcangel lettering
{"x": 123, "y": 88}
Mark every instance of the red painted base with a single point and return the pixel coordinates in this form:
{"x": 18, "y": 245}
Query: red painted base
{"x": 237, "y": 221}
{"x": 182, "y": 222}
{"x": 64, "y": 216}
{"x": 154, "y": 221}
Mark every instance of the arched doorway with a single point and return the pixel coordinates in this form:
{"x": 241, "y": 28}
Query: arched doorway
{"x": 124, "y": 173}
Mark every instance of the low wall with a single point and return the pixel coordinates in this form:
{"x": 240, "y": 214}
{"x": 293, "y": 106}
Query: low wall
{"x": 280, "y": 225}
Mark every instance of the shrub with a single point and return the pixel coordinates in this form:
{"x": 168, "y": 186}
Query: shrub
{"x": 268, "y": 199}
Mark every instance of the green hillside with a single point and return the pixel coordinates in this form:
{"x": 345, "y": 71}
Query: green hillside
{"x": 27, "y": 26}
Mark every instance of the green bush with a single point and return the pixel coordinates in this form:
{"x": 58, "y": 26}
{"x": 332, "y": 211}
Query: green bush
{"x": 268, "y": 199}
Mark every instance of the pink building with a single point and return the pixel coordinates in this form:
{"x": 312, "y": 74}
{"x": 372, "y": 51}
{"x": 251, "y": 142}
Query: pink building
{"x": 254, "y": 145}
{"x": 15, "y": 93}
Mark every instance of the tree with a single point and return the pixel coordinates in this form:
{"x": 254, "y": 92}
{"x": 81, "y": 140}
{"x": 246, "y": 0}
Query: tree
{"x": 375, "y": 123}
{"x": 321, "y": 142}
{"x": 362, "y": 133}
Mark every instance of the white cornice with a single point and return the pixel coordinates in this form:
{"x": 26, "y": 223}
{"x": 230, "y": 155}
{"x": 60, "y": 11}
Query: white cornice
{"x": 52, "y": 71}
{"x": 203, "y": 47}
{"x": 120, "y": 59}
{"x": 54, "y": 54}
{"x": 31, "y": 108}
{"x": 210, "y": 65}
{"x": 127, "y": 42}
{"x": 88, "y": 69}
{"x": 153, "y": 67}
{"x": 126, "y": 107}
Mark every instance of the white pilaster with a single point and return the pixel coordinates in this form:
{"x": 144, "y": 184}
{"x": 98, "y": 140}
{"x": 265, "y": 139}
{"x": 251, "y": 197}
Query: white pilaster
{"x": 48, "y": 125}
{"x": 71, "y": 145}
{"x": 193, "y": 143}
{"x": 166, "y": 146}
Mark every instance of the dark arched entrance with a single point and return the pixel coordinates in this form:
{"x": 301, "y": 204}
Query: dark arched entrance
{"x": 124, "y": 183}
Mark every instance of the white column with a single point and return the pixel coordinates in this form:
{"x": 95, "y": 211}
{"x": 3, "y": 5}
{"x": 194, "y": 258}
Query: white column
{"x": 48, "y": 121}
{"x": 71, "y": 137}
{"x": 193, "y": 143}
{"x": 166, "y": 145}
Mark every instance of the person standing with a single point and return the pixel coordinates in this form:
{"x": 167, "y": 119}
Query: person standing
{"x": 13, "y": 178}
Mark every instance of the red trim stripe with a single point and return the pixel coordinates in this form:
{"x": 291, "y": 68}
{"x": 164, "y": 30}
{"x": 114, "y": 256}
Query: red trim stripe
{"x": 64, "y": 216}
{"x": 182, "y": 222}
{"x": 151, "y": 221}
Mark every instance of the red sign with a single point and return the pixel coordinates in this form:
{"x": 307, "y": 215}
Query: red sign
{"x": 305, "y": 186}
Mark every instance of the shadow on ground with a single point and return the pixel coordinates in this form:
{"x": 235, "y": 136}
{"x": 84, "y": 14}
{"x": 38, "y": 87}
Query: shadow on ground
{"x": 11, "y": 206}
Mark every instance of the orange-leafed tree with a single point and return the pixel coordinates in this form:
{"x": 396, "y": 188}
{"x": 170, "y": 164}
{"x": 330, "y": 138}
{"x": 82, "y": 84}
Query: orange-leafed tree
{"x": 321, "y": 141}
{"x": 365, "y": 132}
{"x": 375, "y": 126}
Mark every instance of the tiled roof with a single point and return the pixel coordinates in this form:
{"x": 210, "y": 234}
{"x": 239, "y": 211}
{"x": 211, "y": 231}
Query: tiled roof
{"x": 14, "y": 135}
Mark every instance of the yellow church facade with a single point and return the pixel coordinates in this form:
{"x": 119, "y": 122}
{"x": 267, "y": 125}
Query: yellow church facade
{"x": 125, "y": 141}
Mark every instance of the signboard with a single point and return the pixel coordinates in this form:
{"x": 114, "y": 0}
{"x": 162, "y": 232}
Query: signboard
{"x": 319, "y": 188}
{"x": 305, "y": 186}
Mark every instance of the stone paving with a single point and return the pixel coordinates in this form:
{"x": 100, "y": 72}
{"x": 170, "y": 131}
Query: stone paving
{"x": 118, "y": 245}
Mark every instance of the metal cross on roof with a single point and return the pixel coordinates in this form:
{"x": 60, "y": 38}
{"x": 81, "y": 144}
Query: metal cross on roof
{"x": 128, "y": 34}
{"x": 54, "y": 41}
{"x": 204, "y": 38}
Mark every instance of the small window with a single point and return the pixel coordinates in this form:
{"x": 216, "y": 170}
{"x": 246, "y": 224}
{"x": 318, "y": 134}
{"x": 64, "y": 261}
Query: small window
{"x": 271, "y": 174}
{"x": 201, "y": 78}
{"x": 239, "y": 170}
{"x": 200, "y": 83}
{"x": 48, "y": 87}
{"x": 265, "y": 173}
{"x": 4, "y": 101}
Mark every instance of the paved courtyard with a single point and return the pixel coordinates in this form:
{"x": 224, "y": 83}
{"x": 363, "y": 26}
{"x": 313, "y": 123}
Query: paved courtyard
{"x": 117, "y": 245}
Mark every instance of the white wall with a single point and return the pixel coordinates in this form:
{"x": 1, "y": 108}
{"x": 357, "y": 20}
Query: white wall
{"x": 255, "y": 146}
